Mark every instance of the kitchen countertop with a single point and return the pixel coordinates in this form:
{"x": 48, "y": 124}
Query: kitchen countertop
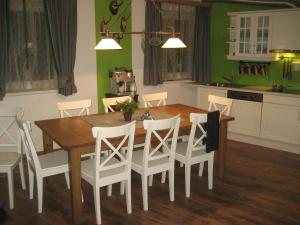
{"x": 256, "y": 89}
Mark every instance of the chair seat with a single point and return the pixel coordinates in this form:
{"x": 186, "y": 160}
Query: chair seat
{"x": 8, "y": 158}
{"x": 87, "y": 169}
{"x": 57, "y": 159}
{"x": 182, "y": 148}
{"x": 137, "y": 160}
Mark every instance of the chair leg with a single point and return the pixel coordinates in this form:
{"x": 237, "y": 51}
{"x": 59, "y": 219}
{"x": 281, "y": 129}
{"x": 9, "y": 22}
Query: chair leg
{"x": 163, "y": 177}
{"x": 67, "y": 179}
{"x": 97, "y": 204}
{"x": 31, "y": 183}
{"x": 201, "y": 166}
{"x": 145, "y": 192}
{"x": 21, "y": 168}
{"x": 40, "y": 193}
{"x": 11, "y": 188}
{"x": 171, "y": 184}
{"x": 109, "y": 190}
{"x": 128, "y": 195}
{"x": 210, "y": 171}
{"x": 122, "y": 187}
{"x": 150, "y": 180}
{"x": 187, "y": 180}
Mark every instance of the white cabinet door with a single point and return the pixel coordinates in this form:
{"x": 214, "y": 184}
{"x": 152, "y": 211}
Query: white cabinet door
{"x": 202, "y": 96}
{"x": 247, "y": 117}
{"x": 252, "y": 36}
{"x": 286, "y": 30}
{"x": 281, "y": 123}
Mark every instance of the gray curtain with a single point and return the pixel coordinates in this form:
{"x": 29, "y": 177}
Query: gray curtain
{"x": 152, "y": 57}
{"x": 62, "y": 20}
{"x": 201, "y": 59}
{"x": 4, "y": 11}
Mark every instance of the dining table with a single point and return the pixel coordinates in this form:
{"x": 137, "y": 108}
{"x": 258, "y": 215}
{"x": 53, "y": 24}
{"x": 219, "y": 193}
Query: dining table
{"x": 74, "y": 135}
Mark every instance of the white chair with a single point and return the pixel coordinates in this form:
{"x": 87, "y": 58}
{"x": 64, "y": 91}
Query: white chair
{"x": 67, "y": 109}
{"x": 81, "y": 105}
{"x": 222, "y": 104}
{"x": 158, "y": 98}
{"x": 41, "y": 166}
{"x": 10, "y": 141}
{"x": 114, "y": 168}
{"x": 219, "y": 103}
{"x": 194, "y": 152}
{"x": 150, "y": 161}
{"x": 109, "y": 102}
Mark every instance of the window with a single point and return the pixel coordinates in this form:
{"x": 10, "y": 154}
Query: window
{"x": 31, "y": 66}
{"x": 177, "y": 63}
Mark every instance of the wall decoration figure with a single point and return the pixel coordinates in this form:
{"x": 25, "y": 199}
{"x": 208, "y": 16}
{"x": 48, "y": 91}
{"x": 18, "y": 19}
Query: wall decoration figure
{"x": 104, "y": 25}
{"x": 114, "y": 6}
{"x": 118, "y": 37}
{"x": 123, "y": 23}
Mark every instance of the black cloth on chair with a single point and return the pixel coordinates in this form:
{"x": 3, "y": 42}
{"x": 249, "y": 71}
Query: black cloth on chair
{"x": 2, "y": 213}
{"x": 212, "y": 131}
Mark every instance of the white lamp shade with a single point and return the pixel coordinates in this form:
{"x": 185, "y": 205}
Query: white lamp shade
{"x": 173, "y": 42}
{"x": 107, "y": 44}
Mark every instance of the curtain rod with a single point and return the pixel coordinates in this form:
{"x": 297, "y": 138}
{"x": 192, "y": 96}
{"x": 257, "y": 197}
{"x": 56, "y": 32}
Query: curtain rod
{"x": 183, "y": 2}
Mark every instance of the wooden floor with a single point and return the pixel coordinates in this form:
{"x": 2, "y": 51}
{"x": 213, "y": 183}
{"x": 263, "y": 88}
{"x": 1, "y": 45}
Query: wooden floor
{"x": 261, "y": 186}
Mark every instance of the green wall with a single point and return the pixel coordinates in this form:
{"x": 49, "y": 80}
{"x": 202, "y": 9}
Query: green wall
{"x": 220, "y": 66}
{"x": 109, "y": 59}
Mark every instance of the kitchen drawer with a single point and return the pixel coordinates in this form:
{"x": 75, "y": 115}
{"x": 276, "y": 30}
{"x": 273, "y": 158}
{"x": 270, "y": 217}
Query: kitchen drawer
{"x": 282, "y": 100}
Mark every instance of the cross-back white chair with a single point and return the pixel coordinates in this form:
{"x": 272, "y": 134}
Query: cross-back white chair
{"x": 219, "y": 103}
{"x": 65, "y": 108}
{"x": 105, "y": 170}
{"x": 149, "y": 161}
{"x": 10, "y": 141}
{"x": 160, "y": 99}
{"x": 194, "y": 151}
{"x": 109, "y": 102}
{"x": 41, "y": 166}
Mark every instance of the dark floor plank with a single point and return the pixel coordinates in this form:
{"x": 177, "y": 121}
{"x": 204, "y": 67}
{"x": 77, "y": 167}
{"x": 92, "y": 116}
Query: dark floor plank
{"x": 261, "y": 186}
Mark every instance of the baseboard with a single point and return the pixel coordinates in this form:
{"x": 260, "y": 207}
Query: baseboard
{"x": 264, "y": 142}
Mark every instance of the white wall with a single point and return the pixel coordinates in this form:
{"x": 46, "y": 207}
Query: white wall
{"x": 42, "y": 105}
{"x": 177, "y": 92}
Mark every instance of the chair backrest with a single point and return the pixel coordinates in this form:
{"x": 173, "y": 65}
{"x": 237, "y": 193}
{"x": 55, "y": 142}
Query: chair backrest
{"x": 219, "y": 103}
{"x": 81, "y": 105}
{"x": 109, "y": 102}
{"x": 196, "y": 143}
{"x": 9, "y": 135}
{"x": 104, "y": 135}
{"x": 159, "y": 97}
{"x": 163, "y": 131}
{"x": 31, "y": 155}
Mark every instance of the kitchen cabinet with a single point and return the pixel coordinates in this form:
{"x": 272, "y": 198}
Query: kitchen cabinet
{"x": 247, "y": 117}
{"x": 273, "y": 123}
{"x": 202, "y": 95}
{"x": 249, "y": 36}
{"x": 253, "y": 34}
{"x": 281, "y": 119}
{"x": 286, "y": 30}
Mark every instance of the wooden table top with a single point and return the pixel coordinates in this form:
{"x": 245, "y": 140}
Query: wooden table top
{"x": 73, "y": 132}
